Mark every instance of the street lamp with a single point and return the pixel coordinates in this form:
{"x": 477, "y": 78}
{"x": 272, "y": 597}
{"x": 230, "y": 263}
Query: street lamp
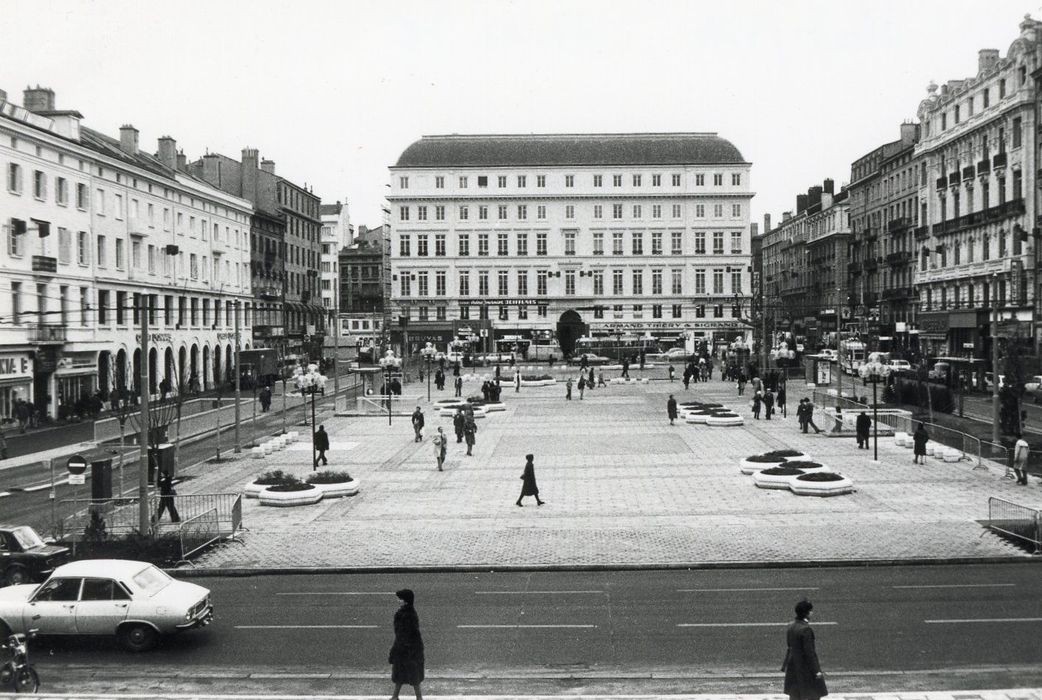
{"x": 310, "y": 382}
{"x": 389, "y": 363}
{"x": 739, "y": 348}
{"x": 874, "y": 371}
{"x": 428, "y": 353}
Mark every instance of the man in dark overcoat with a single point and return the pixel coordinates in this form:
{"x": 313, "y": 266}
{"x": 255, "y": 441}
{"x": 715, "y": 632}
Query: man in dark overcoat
{"x": 671, "y": 409}
{"x": 470, "y": 430}
{"x": 457, "y": 424}
{"x": 803, "y": 677}
{"x": 528, "y": 484}
{"x": 863, "y": 424}
{"x": 321, "y": 444}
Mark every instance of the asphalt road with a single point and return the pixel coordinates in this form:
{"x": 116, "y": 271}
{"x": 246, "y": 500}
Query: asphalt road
{"x": 729, "y": 624}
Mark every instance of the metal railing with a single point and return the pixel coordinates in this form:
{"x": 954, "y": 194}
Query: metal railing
{"x": 197, "y": 532}
{"x": 121, "y": 514}
{"x": 1017, "y": 521}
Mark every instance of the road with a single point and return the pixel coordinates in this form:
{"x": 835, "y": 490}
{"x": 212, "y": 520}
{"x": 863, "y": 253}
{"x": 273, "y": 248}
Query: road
{"x": 24, "y": 490}
{"x": 938, "y": 623}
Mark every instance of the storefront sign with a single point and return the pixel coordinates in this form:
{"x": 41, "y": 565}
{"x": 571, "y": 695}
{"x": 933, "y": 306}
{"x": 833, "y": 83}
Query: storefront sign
{"x": 16, "y": 366}
{"x": 934, "y": 323}
{"x": 665, "y": 326}
{"x": 1016, "y": 275}
{"x": 155, "y": 338}
{"x": 229, "y": 335}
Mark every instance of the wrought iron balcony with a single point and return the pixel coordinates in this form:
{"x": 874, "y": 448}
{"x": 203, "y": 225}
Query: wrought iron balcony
{"x": 953, "y": 178}
{"x": 43, "y": 263}
{"x": 46, "y": 333}
{"x": 854, "y": 268}
{"x": 942, "y": 182}
{"x": 983, "y": 166}
{"x": 968, "y": 172}
{"x": 899, "y": 257}
{"x": 922, "y": 232}
{"x": 870, "y": 233}
{"x": 871, "y": 265}
{"x": 898, "y": 224}
{"x": 998, "y": 161}
{"x": 897, "y": 293}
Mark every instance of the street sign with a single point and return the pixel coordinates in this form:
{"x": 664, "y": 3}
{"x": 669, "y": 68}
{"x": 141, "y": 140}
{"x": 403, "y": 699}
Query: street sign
{"x": 77, "y": 479}
{"x": 484, "y": 332}
{"x": 76, "y": 465}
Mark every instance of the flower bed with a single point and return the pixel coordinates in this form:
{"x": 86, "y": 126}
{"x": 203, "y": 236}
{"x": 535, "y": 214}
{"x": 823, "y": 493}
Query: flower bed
{"x": 821, "y": 484}
{"x": 275, "y": 477}
{"x": 787, "y": 454}
{"x": 806, "y": 465}
{"x": 537, "y": 380}
{"x": 334, "y": 484}
{"x": 725, "y": 419}
{"x": 775, "y": 477}
{"x": 286, "y": 495}
{"x": 755, "y": 463}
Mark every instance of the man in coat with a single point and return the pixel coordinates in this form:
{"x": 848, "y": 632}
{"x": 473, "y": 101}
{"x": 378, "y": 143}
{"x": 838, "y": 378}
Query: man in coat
{"x": 671, "y": 409}
{"x": 528, "y": 485}
{"x": 441, "y": 441}
{"x": 768, "y": 404}
{"x": 862, "y": 424}
{"x": 458, "y": 384}
{"x": 166, "y": 497}
{"x": 457, "y": 424}
{"x": 321, "y": 444}
{"x": 406, "y": 655}
{"x": 568, "y": 389}
{"x": 417, "y": 424}
{"x": 470, "y": 430}
{"x": 803, "y": 677}
{"x": 517, "y": 381}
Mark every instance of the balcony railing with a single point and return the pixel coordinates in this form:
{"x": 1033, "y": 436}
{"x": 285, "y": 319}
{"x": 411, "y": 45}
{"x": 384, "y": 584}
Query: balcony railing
{"x": 871, "y": 265}
{"x": 922, "y": 232}
{"x": 998, "y": 161}
{"x": 899, "y": 257}
{"x": 898, "y": 224}
{"x": 46, "y": 332}
{"x": 854, "y": 268}
{"x": 43, "y": 263}
{"x": 870, "y": 233}
{"x": 968, "y": 172}
{"x": 953, "y": 178}
{"x": 1014, "y": 207}
{"x": 983, "y": 166}
{"x": 942, "y": 182}
{"x": 897, "y": 293}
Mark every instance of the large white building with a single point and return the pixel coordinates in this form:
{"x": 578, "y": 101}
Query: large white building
{"x": 547, "y": 237}
{"x": 337, "y": 234}
{"x": 90, "y": 225}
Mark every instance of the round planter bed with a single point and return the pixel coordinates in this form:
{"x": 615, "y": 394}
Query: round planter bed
{"x": 950, "y": 454}
{"x": 755, "y": 463}
{"x": 725, "y": 419}
{"x": 275, "y": 478}
{"x": 806, "y": 465}
{"x": 538, "y": 382}
{"x": 821, "y": 484}
{"x": 494, "y": 406}
{"x": 334, "y": 489}
{"x": 697, "y": 417}
{"x": 787, "y": 454}
{"x": 775, "y": 477}
{"x": 281, "y": 497}
{"x": 901, "y": 438}
{"x": 449, "y": 402}
{"x": 713, "y": 405}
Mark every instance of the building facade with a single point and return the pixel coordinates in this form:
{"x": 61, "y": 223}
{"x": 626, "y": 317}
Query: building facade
{"x": 364, "y": 288}
{"x": 337, "y": 233}
{"x": 977, "y": 201}
{"x": 551, "y": 237}
{"x": 94, "y": 230}
{"x": 304, "y": 314}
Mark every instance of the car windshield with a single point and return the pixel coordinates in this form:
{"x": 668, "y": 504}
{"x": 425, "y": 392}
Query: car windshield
{"x": 151, "y": 580}
{"x": 27, "y": 537}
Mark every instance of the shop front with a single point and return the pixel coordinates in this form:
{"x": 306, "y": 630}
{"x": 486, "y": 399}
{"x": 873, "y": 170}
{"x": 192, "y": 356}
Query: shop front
{"x": 933, "y": 333}
{"x": 16, "y": 381}
{"x": 75, "y": 383}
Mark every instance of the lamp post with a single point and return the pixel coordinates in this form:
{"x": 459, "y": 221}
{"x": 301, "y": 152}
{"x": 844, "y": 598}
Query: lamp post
{"x": 311, "y": 382}
{"x": 428, "y": 353}
{"x": 874, "y": 371}
{"x": 389, "y": 363}
{"x": 782, "y": 355}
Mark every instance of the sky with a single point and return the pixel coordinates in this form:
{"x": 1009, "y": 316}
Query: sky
{"x": 334, "y": 91}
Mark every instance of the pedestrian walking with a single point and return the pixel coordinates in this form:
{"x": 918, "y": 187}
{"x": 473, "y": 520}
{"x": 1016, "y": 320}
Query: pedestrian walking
{"x": 265, "y": 399}
{"x": 166, "y": 497}
{"x": 568, "y": 389}
{"x": 626, "y": 368}
{"x": 528, "y": 485}
{"x": 805, "y": 414}
{"x": 741, "y": 383}
{"x": 417, "y": 425}
{"x": 439, "y": 379}
{"x": 517, "y": 381}
{"x": 589, "y": 379}
{"x": 803, "y": 677}
{"x": 321, "y": 445}
{"x": 600, "y": 378}
{"x": 1020, "y": 459}
{"x": 458, "y": 384}
{"x": 768, "y": 404}
{"x": 440, "y": 447}
{"x": 687, "y": 377}
{"x": 919, "y": 440}
{"x": 406, "y": 655}
{"x": 757, "y": 405}
{"x": 672, "y": 373}
{"x": 455, "y": 368}
{"x": 470, "y": 431}
{"x": 671, "y": 409}
{"x": 862, "y": 426}
{"x": 781, "y": 400}
{"x": 457, "y": 424}
{"x": 582, "y": 386}
{"x": 584, "y": 362}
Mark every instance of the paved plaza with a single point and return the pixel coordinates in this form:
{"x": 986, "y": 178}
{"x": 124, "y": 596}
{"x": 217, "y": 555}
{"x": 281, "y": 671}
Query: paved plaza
{"x": 622, "y": 486}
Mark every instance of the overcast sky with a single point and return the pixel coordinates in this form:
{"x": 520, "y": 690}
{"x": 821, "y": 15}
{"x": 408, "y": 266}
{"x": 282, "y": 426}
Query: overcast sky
{"x": 334, "y": 91}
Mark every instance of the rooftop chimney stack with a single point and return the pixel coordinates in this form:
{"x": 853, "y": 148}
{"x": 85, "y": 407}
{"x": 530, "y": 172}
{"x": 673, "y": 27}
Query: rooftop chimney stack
{"x": 909, "y": 133}
{"x": 787, "y": 215}
{"x": 3, "y": 96}
{"x": 801, "y": 203}
{"x": 250, "y": 162}
{"x": 268, "y": 166}
{"x": 128, "y": 139}
{"x": 987, "y": 59}
{"x": 766, "y": 223}
{"x": 38, "y": 99}
{"x": 168, "y": 152}
{"x": 829, "y": 186}
{"x": 182, "y": 161}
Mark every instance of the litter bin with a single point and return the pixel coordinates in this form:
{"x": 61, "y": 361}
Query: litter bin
{"x": 160, "y": 458}
{"x": 101, "y": 479}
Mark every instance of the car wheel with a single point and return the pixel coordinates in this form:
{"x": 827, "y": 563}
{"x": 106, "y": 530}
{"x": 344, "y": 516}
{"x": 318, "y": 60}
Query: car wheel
{"x": 16, "y": 575}
{"x": 28, "y": 681}
{"x": 138, "y": 637}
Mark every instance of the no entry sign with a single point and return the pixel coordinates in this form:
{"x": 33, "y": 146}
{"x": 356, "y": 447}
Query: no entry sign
{"x": 77, "y": 465}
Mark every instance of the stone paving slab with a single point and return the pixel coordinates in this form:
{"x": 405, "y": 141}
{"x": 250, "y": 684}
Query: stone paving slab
{"x": 623, "y": 488}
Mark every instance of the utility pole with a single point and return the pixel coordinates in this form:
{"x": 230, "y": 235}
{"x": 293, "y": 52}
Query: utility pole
{"x": 995, "y": 361}
{"x": 336, "y": 348}
{"x": 237, "y": 378}
{"x": 144, "y": 520}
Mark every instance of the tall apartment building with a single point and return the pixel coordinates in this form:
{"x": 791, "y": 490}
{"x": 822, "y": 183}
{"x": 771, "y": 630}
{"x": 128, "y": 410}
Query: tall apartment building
{"x": 977, "y": 199}
{"x": 305, "y": 316}
{"x": 337, "y": 233}
{"x": 805, "y": 261}
{"x": 556, "y": 236}
{"x": 364, "y": 287}
{"x": 884, "y": 210}
{"x": 92, "y": 227}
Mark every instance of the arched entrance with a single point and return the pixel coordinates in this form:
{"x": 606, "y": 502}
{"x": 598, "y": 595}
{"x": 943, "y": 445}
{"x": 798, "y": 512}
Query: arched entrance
{"x": 120, "y": 380}
{"x": 193, "y": 369}
{"x": 169, "y": 368}
{"x": 216, "y": 365}
{"x": 136, "y": 379}
{"x": 182, "y": 360}
{"x": 570, "y": 328}
{"x": 153, "y": 356}
{"x": 207, "y": 378}
{"x": 104, "y": 374}
{"x": 228, "y": 366}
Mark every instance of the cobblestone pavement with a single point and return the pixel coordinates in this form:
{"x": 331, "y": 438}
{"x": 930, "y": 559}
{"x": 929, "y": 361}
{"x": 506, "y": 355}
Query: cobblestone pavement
{"x": 623, "y": 488}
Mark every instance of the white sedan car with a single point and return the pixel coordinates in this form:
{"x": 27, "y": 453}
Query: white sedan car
{"x": 133, "y": 600}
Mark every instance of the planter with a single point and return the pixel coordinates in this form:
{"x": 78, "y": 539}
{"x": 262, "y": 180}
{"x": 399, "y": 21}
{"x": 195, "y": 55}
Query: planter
{"x": 807, "y": 466}
{"x": 538, "y": 382}
{"x": 494, "y": 406}
{"x": 900, "y": 439}
{"x": 697, "y": 417}
{"x": 932, "y": 448}
{"x": 767, "y": 480}
{"x": 836, "y": 485}
{"x": 253, "y": 489}
{"x": 950, "y": 454}
{"x": 726, "y": 419}
{"x": 339, "y": 490}
{"x": 746, "y": 466}
{"x": 286, "y": 499}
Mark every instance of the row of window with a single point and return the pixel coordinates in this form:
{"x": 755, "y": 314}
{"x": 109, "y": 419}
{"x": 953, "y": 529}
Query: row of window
{"x": 570, "y": 238}
{"x": 970, "y": 295}
{"x": 961, "y": 253}
{"x": 521, "y": 287}
{"x": 521, "y": 181}
{"x": 597, "y": 211}
{"x": 971, "y": 101}
{"x": 618, "y": 311}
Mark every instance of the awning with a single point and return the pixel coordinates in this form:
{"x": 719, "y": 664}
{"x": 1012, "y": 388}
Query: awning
{"x": 962, "y": 319}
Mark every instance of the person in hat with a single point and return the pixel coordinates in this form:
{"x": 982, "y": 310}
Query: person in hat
{"x": 803, "y": 677}
{"x": 321, "y": 444}
{"x": 528, "y": 484}
{"x": 406, "y": 655}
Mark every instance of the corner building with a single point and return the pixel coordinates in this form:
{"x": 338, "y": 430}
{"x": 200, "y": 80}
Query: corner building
{"x": 550, "y": 237}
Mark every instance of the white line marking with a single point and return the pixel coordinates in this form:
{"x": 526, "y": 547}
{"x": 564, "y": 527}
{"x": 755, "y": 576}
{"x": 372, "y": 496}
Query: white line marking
{"x": 744, "y": 624}
{"x": 514, "y": 627}
{"x": 306, "y": 627}
{"x": 340, "y": 593}
{"x": 41, "y": 487}
{"x": 740, "y": 590}
{"x": 4, "y": 493}
{"x": 961, "y": 585}
{"x": 985, "y": 619}
{"x": 536, "y": 592}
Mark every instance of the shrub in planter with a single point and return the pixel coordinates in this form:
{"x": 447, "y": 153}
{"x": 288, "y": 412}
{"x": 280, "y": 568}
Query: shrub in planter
{"x": 334, "y": 484}
{"x": 284, "y": 495}
{"x": 161, "y": 550}
{"x": 783, "y": 453}
{"x": 821, "y": 484}
{"x": 755, "y": 463}
{"x": 806, "y": 465}
{"x": 276, "y": 477}
{"x": 289, "y": 488}
{"x": 328, "y": 477}
{"x": 821, "y": 476}
{"x": 775, "y": 477}
{"x": 536, "y": 377}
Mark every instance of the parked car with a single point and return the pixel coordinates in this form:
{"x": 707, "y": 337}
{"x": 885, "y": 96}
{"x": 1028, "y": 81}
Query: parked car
{"x": 900, "y": 366}
{"x": 591, "y": 359}
{"x": 1033, "y": 384}
{"x": 25, "y": 557}
{"x": 133, "y": 600}
{"x": 940, "y": 371}
{"x": 827, "y": 354}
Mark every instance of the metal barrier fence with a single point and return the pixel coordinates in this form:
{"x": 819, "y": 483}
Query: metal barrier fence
{"x": 376, "y": 405}
{"x": 121, "y": 514}
{"x": 197, "y": 532}
{"x": 1015, "y": 520}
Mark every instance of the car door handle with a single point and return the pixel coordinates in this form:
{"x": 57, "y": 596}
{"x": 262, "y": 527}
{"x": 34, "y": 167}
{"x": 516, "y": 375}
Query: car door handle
{"x": 121, "y": 605}
{"x": 36, "y": 617}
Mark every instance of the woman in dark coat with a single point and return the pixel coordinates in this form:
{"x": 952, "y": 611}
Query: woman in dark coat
{"x": 528, "y": 485}
{"x": 406, "y": 656}
{"x": 919, "y": 441}
{"x": 803, "y": 677}
{"x": 671, "y": 409}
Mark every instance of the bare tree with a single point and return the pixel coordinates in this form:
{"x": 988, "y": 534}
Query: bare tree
{"x": 122, "y": 406}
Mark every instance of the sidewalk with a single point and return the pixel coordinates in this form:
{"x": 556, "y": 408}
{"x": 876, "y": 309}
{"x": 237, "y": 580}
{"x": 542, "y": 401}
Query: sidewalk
{"x": 623, "y": 489}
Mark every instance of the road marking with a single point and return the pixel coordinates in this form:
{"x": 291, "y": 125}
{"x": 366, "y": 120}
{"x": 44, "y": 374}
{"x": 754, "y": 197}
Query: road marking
{"x": 514, "y": 627}
{"x": 744, "y": 624}
{"x": 340, "y": 593}
{"x": 741, "y": 590}
{"x": 960, "y": 585}
{"x": 41, "y": 487}
{"x": 306, "y": 626}
{"x": 984, "y": 619}
{"x": 537, "y": 592}
{"x": 4, "y": 493}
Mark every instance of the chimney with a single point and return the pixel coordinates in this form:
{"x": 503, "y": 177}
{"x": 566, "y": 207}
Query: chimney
{"x": 168, "y": 152}
{"x": 754, "y": 229}
{"x": 128, "y": 139}
{"x": 268, "y": 166}
{"x": 250, "y": 159}
{"x": 212, "y": 169}
{"x": 766, "y": 223}
{"x": 787, "y": 215}
{"x": 909, "y": 133}
{"x": 38, "y": 99}
{"x": 987, "y": 59}
{"x": 829, "y": 186}
{"x": 3, "y": 96}
{"x": 182, "y": 161}
{"x": 801, "y": 203}
{"x": 814, "y": 196}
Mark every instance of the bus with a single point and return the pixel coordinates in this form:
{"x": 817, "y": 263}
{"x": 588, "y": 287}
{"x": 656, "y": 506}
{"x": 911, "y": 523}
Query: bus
{"x": 616, "y": 347}
{"x": 851, "y": 355}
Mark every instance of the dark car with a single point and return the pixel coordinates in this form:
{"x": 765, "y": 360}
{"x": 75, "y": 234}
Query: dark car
{"x": 25, "y": 557}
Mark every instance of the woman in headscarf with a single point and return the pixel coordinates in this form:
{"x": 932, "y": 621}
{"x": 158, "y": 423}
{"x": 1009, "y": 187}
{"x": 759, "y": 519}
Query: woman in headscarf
{"x": 919, "y": 441}
{"x": 406, "y": 656}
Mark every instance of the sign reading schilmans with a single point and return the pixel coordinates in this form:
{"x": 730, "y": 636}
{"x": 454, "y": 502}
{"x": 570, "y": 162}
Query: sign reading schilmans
{"x": 15, "y": 366}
